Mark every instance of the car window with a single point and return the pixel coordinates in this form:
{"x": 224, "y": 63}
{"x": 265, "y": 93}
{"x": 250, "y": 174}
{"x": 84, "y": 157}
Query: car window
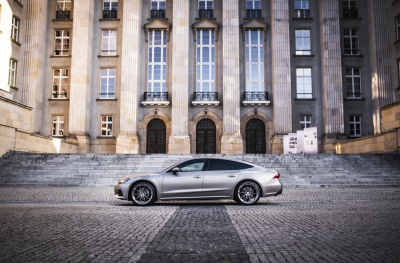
{"x": 218, "y": 165}
{"x": 192, "y": 165}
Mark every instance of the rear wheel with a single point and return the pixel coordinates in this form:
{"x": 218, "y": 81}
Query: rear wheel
{"x": 143, "y": 193}
{"x": 247, "y": 193}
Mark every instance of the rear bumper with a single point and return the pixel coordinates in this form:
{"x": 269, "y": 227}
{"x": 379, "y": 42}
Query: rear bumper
{"x": 273, "y": 188}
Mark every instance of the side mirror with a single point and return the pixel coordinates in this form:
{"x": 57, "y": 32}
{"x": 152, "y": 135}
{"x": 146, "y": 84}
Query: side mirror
{"x": 175, "y": 170}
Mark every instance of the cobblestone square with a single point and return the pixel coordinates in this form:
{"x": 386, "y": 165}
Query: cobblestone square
{"x": 309, "y": 224}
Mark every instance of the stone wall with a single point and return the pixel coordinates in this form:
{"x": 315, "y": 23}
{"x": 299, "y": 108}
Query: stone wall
{"x": 391, "y": 116}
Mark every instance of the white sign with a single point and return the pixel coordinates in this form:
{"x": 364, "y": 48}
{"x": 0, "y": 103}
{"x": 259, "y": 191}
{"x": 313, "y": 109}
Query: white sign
{"x": 300, "y": 141}
{"x": 292, "y": 142}
{"x": 285, "y": 144}
{"x": 310, "y": 140}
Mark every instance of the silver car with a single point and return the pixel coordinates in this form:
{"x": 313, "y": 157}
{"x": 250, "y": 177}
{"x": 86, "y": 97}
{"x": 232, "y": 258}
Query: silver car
{"x": 201, "y": 178}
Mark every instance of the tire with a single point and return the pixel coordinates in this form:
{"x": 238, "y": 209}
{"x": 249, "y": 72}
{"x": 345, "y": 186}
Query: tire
{"x": 142, "y": 194}
{"x": 247, "y": 193}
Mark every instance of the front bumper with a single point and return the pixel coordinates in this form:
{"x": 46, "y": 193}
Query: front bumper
{"x": 118, "y": 194}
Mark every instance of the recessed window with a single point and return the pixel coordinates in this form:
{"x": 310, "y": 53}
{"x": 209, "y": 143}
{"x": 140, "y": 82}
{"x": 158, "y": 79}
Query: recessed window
{"x": 63, "y": 9}
{"x": 351, "y": 45}
{"x": 355, "y": 126}
{"x": 206, "y": 8}
{"x": 305, "y": 121}
{"x": 253, "y": 9}
{"x": 12, "y": 72}
{"x": 107, "y": 126}
{"x": 350, "y": 9}
{"x": 107, "y": 84}
{"x": 157, "y": 9}
{"x": 62, "y": 39}
{"x": 15, "y": 29}
{"x": 58, "y": 126}
{"x": 109, "y": 42}
{"x": 254, "y": 55}
{"x": 304, "y": 83}
{"x": 110, "y": 9}
{"x": 60, "y": 83}
{"x": 353, "y": 83}
{"x": 302, "y": 9}
{"x": 205, "y": 61}
{"x": 303, "y": 42}
{"x": 157, "y": 61}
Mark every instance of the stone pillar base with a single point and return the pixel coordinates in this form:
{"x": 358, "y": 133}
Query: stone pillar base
{"x": 329, "y": 142}
{"x": 83, "y": 142}
{"x": 127, "y": 144}
{"x": 232, "y": 144}
{"x": 277, "y": 144}
{"x": 179, "y": 145}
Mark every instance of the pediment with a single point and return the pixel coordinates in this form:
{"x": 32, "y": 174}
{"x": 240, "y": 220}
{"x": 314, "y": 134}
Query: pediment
{"x": 157, "y": 24}
{"x": 205, "y": 24}
{"x": 254, "y": 24}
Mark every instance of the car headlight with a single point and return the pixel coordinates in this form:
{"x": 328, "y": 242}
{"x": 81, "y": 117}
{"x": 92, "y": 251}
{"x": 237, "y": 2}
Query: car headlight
{"x": 122, "y": 181}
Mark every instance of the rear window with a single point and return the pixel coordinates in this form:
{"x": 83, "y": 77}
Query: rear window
{"x": 218, "y": 165}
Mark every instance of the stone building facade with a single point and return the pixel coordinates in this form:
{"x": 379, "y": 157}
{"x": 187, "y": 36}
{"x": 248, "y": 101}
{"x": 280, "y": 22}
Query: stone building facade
{"x": 200, "y": 76}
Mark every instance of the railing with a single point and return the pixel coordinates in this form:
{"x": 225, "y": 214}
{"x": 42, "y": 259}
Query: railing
{"x": 348, "y": 51}
{"x": 157, "y": 14}
{"x": 303, "y": 52}
{"x": 255, "y": 96}
{"x": 354, "y": 94}
{"x": 107, "y": 95}
{"x": 63, "y": 15}
{"x": 61, "y": 52}
{"x": 208, "y": 13}
{"x": 206, "y": 96}
{"x": 59, "y": 95}
{"x": 253, "y": 14}
{"x": 110, "y": 14}
{"x": 156, "y": 96}
{"x": 350, "y": 13}
{"x": 108, "y": 52}
{"x": 304, "y": 95}
{"x": 302, "y": 13}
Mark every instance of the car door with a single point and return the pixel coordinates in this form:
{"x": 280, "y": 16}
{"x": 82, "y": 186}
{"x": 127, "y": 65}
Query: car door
{"x": 219, "y": 178}
{"x": 188, "y": 182}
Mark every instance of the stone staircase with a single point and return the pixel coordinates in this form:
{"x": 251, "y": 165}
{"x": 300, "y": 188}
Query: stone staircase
{"x": 20, "y": 168}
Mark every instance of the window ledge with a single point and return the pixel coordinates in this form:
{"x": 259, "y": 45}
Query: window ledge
{"x": 106, "y": 137}
{"x": 205, "y": 102}
{"x": 66, "y": 99}
{"x": 12, "y": 87}
{"x": 354, "y": 99}
{"x": 64, "y": 56}
{"x": 59, "y": 136}
{"x": 256, "y": 102}
{"x": 155, "y": 103}
{"x": 109, "y": 19}
{"x": 62, "y": 20}
{"x": 352, "y": 56}
{"x": 15, "y": 42}
{"x": 18, "y": 3}
{"x": 107, "y": 99}
{"x": 108, "y": 56}
{"x": 351, "y": 18}
{"x": 303, "y": 19}
{"x": 311, "y": 99}
{"x": 304, "y": 56}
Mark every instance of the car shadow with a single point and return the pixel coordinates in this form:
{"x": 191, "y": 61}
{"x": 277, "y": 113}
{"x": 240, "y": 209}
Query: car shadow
{"x": 199, "y": 203}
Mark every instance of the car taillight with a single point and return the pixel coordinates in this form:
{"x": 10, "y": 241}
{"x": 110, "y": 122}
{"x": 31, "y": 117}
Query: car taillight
{"x": 277, "y": 175}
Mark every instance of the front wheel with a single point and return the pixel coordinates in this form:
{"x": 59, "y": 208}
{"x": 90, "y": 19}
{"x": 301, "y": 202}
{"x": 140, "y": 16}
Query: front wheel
{"x": 143, "y": 193}
{"x": 247, "y": 193}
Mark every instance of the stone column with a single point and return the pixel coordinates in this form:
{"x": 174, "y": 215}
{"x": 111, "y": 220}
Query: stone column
{"x": 332, "y": 88}
{"x": 382, "y": 87}
{"x": 34, "y": 60}
{"x": 81, "y": 72}
{"x": 281, "y": 72}
{"x": 231, "y": 141}
{"x": 127, "y": 141}
{"x": 179, "y": 141}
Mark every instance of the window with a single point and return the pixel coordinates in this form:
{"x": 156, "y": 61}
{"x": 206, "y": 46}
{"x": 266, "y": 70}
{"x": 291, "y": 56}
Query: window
{"x": 355, "y": 126}
{"x": 398, "y": 71}
{"x": 206, "y": 8}
{"x": 305, "y": 121}
{"x": 12, "y": 72}
{"x": 191, "y": 166}
{"x": 106, "y": 126}
{"x": 109, "y": 42}
{"x": 157, "y": 61}
{"x": 15, "y": 29}
{"x": 60, "y": 83}
{"x": 107, "y": 84}
{"x": 110, "y": 9}
{"x": 220, "y": 165}
{"x": 63, "y": 9}
{"x": 353, "y": 83}
{"x": 62, "y": 43}
{"x": 157, "y": 9}
{"x": 350, "y": 9}
{"x": 253, "y": 9}
{"x": 301, "y": 9}
{"x": 205, "y": 64}
{"x": 351, "y": 46}
{"x": 254, "y": 53}
{"x": 304, "y": 83}
{"x": 303, "y": 42}
{"x": 398, "y": 28}
{"x": 58, "y": 126}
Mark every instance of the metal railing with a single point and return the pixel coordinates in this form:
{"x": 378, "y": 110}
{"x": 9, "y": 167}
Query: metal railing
{"x": 157, "y": 14}
{"x": 206, "y": 13}
{"x": 206, "y": 96}
{"x": 110, "y": 14}
{"x": 107, "y": 95}
{"x": 61, "y": 52}
{"x": 350, "y": 13}
{"x": 348, "y": 51}
{"x": 156, "y": 96}
{"x": 59, "y": 95}
{"x": 302, "y": 13}
{"x": 108, "y": 52}
{"x": 253, "y": 14}
{"x": 304, "y": 95}
{"x": 63, "y": 15}
{"x": 255, "y": 96}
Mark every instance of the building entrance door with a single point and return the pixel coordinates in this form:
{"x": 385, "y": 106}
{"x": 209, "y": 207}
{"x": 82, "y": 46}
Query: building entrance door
{"x": 205, "y": 136}
{"x": 156, "y": 134}
{"x": 255, "y": 136}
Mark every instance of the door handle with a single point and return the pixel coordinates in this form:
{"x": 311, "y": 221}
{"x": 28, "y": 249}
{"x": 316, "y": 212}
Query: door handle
{"x": 231, "y": 176}
{"x": 197, "y": 177}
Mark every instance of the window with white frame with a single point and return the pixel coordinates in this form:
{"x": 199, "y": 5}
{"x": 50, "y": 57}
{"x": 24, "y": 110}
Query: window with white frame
{"x": 305, "y": 121}
{"x": 355, "y": 126}
{"x": 109, "y": 42}
{"x": 157, "y": 4}
{"x": 107, "y": 84}
{"x": 205, "y": 61}
{"x": 253, "y": 4}
{"x": 351, "y": 45}
{"x": 62, "y": 39}
{"x": 254, "y": 55}
{"x": 106, "y": 126}
{"x": 12, "y": 72}
{"x": 301, "y": 8}
{"x": 398, "y": 28}
{"x": 58, "y": 126}
{"x": 157, "y": 61}
{"x": 206, "y": 8}
{"x": 63, "y": 9}
{"x": 15, "y": 29}
{"x": 60, "y": 83}
{"x": 303, "y": 42}
{"x": 304, "y": 83}
{"x": 110, "y": 9}
{"x": 353, "y": 83}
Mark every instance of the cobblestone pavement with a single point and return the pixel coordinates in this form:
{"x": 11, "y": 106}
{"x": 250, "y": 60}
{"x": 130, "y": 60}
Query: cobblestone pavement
{"x": 86, "y": 224}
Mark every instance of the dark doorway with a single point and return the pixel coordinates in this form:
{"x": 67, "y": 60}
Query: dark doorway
{"x": 205, "y": 136}
{"x": 255, "y": 136}
{"x": 156, "y": 134}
